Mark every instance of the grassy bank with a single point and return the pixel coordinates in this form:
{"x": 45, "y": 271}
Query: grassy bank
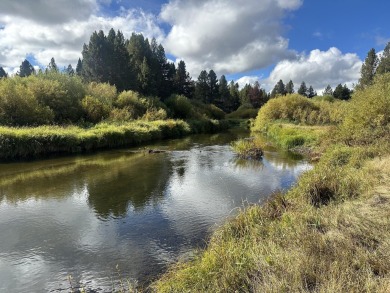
{"x": 35, "y": 142}
{"x": 329, "y": 233}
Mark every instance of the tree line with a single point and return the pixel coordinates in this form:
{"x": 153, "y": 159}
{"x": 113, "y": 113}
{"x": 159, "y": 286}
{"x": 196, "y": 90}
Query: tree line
{"x": 140, "y": 65}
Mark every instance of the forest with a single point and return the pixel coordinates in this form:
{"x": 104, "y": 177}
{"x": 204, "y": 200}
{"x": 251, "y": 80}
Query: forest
{"x": 121, "y": 79}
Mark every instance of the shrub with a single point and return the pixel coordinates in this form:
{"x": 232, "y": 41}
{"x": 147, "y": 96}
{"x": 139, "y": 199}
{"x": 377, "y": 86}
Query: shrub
{"x": 104, "y": 92}
{"x": 19, "y": 106}
{"x": 367, "y": 118}
{"x": 180, "y": 106}
{"x": 95, "y": 109}
{"x": 133, "y": 102}
{"x": 61, "y": 93}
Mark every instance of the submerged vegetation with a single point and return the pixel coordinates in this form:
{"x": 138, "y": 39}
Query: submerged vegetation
{"x": 327, "y": 234}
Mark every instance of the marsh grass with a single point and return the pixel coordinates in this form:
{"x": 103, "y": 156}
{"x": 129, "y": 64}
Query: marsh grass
{"x": 35, "y": 142}
{"x": 251, "y": 148}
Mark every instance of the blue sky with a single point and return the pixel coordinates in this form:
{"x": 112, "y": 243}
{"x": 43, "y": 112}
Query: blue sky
{"x": 320, "y": 42}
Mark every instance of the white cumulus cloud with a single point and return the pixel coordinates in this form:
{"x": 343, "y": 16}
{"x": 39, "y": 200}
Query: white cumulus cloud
{"x": 22, "y": 36}
{"x": 318, "y": 68}
{"x": 227, "y": 36}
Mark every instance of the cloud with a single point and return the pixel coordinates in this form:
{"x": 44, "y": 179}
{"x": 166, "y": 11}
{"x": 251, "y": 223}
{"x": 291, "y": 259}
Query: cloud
{"x": 227, "y": 36}
{"x": 318, "y": 69}
{"x": 249, "y": 79}
{"x": 47, "y": 12}
{"x": 25, "y": 37}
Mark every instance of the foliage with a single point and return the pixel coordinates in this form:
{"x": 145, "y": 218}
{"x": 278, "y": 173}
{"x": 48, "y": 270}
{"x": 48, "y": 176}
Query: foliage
{"x": 367, "y": 118}
{"x": 26, "y": 69}
{"x": 19, "y": 106}
{"x": 95, "y": 109}
{"x": 298, "y": 109}
{"x": 368, "y": 69}
{"x": 180, "y": 106}
{"x": 248, "y": 148}
{"x": 104, "y": 92}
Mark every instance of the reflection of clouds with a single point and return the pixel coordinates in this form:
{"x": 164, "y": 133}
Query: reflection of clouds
{"x": 214, "y": 184}
{"x": 46, "y": 238}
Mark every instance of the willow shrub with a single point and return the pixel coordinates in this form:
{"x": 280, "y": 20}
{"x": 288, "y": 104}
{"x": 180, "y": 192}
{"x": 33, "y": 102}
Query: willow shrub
{"x": 297, "y": 109}
{"x": 19, "y": 106}
{"x": 367, "y": 118}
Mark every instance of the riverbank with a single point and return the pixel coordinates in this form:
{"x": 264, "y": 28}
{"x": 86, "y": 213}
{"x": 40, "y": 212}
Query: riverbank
{"x": 330, "y": 233}
{"x": 38, "y": 142}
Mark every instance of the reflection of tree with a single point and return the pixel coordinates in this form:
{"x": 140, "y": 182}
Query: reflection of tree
{"x": 245, "y": 164}
{"x": 134, "y": 182}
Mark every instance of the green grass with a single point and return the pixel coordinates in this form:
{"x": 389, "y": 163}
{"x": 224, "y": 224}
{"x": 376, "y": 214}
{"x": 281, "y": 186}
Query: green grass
{"x": 289, "y": 136}
{"x": 248, "y": 148}
{"x": 35, "y": 142}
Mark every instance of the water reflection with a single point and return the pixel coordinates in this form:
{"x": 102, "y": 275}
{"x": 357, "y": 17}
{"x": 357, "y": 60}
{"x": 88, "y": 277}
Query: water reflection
{"x": 85, "y": 215}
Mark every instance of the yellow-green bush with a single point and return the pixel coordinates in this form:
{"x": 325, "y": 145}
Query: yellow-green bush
{"x": 95, "y": 109}
{"x": 367, "y": 117}
{"x": 19, "y": 106}
{"x": 104, "y": 92}
{"x": 295, "y": 108}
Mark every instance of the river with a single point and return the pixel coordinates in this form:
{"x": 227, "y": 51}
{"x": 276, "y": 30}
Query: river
{"x": 124, "y": 214}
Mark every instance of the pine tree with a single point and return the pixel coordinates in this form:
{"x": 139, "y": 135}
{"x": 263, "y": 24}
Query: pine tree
{"x": 234, "y": 96}
{"x": 213, "y": 86}
{"x": 328, "y": 91}
{"x": 3, "y": 73}
{"x": 202, "y": 89}
{"x": 303, "y": 89}
{"x": 79, "y": 67}
{"x": 290, "y": 87}
{"x": 384, "y": 62}
{"x": 52, "y": 67}
{"x": 368, "y": 69}
{"x": 257, "y": 96}
{"x": 342, "y": 92}
{"x": 69, "y": 70}
{"x": 311, "y": 93}
{"x": 26, "y": 69}
{"x": 183, "y": 83}
{"x": 223, "y": 100}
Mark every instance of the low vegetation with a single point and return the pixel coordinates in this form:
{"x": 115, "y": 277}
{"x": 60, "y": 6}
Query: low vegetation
{"x": 330, "y": 233}
{"x": 34, "y": 142}
{"x": 251, "y": 148}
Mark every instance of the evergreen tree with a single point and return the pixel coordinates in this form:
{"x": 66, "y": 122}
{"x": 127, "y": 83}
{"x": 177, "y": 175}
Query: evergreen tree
{"x": 202, "y": 89}
{"x": 290, "y": 87}
{"x": 52, "y": 67}
{"x": 3, "y": 73}
{"x": 342, "y": 92}
{"x": 223, "y": 101}
{"x": 79, "y": 67}
{"x": 384, "y": 62}
{"x": 311, "y": 92}
{"x": 105, "y": 59}
{"x": 183, "y": 83}
{"x": 244, "y": 94}
{"x": 213, "y": 86}
{"x": 234, "y": 96}
{"x": 257, "y": 96}
{"x": 26, "y": 69}
{"x": 144, "y": 77}
{"x": 328, "y": 91}
{"x": 368, "y": 69}
{"x": 69, "y": 70}
{"x": 168, "y": 80}
{"x": 303, "y": 89}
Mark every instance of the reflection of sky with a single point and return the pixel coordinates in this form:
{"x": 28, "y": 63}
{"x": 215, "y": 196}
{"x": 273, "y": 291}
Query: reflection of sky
{"x": 43, "y": 240}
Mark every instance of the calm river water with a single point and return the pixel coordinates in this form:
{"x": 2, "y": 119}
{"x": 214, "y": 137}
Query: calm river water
{"x": 122, "y": 214}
